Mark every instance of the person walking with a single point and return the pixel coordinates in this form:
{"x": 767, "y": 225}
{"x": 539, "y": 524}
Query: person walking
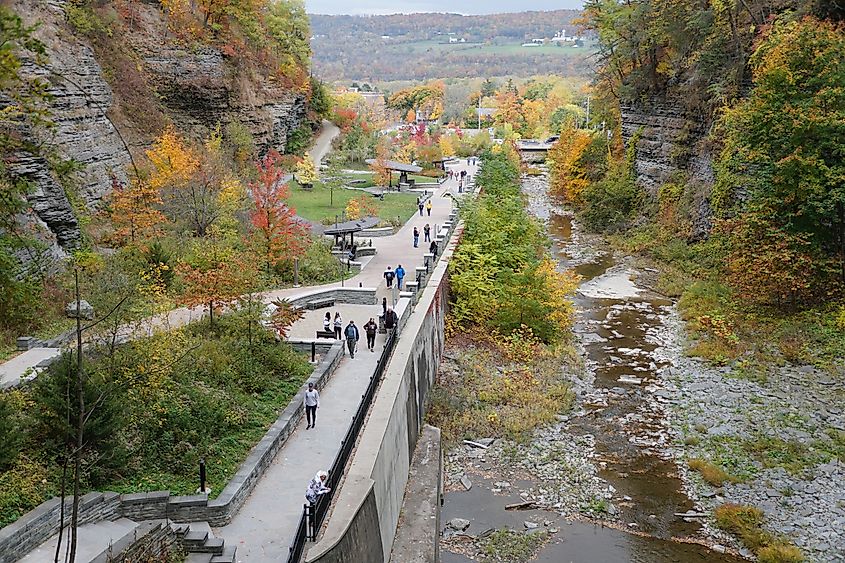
{"x": 428, "y": 207}
{"x": 391, "y": 319}
{"x": 351, "y": 338}
{"x": 427, "y": 232}
{"x": 327, "y": 322}
{"x": 316, "y": 487}
{"x": 433, "y": 248}
{"x": 312, "y": 403}
{"x": 416, "y": 237}
{"x": 400, "y": 274}
{"x": 388, "y": 277}
{"x": 370, "y": 329}
{"x": 338, "y": 325}
{"x": 420, "y": 204}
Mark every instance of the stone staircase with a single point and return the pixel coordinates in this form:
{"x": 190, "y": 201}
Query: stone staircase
{"x": 202, "y": 547}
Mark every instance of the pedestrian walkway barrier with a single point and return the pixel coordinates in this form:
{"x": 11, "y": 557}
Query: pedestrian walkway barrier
{"x": 313, "y": 515}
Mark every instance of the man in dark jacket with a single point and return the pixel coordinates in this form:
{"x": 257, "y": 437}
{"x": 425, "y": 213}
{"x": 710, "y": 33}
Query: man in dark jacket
{"x": 390, "y": 320}
{"x": 371, "y": 328}
{"x": 351, "y": 334}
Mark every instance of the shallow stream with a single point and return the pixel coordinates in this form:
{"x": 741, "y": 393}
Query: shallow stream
{"x": 621, "y": 330}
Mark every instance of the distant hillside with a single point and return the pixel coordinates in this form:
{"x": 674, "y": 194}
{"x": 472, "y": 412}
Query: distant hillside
{"x": 425, "y": 46}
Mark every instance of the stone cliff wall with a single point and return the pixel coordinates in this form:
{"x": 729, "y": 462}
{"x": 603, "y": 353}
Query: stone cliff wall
{"x": 672, "y": 143}
{"x": 196, "y": 88}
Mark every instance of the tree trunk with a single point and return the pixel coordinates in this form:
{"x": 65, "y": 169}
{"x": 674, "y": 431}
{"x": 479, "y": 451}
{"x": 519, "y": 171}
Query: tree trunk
{"x": 80, "y": 424}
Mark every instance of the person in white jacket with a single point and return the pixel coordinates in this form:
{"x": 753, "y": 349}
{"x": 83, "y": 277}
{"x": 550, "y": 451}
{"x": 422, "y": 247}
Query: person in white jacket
{"x": 312, "y": 403}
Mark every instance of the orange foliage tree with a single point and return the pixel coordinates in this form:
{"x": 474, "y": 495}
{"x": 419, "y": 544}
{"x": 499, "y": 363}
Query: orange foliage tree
{"x": 134, "y": 211}
{"x": 215, "y": 276}
{"x": 280, "y": 235}
{"x": 767, "y": 265}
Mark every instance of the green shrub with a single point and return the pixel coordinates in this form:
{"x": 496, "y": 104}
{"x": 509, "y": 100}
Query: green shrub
{"x": 610, "y": 204}
{"x": 11, "y": 443}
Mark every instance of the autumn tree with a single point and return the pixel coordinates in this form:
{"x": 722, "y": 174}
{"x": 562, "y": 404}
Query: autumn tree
{"x": 284, "y": 316}
{"x": 575, "y": 161}
{"x": 361, "y": 206}
{"x": 280, "y": 236}
{"x": 214, "y": 276}
{"x": 306, "y": 172}
{"x": 134, "y": 209}
{"x": 195, "y": 183}
{"x": 782, "y": 158}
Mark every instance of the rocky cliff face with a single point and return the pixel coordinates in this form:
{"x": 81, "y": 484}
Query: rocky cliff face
{"x": 198, "y": 88}
{"x": 672, "y": 145}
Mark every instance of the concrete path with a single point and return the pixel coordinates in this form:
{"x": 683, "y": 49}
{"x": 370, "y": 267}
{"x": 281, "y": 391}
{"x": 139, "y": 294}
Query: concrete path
{"x": 264, "y": 528}
{"x": 12, "y": 370}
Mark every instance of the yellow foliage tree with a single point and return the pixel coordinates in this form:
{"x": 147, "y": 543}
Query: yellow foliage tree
{"x": 568, "y": 176}
{"x": 447, "y": 147}
{"x": 361, "y": 206}
{"x": 306, "y": 172}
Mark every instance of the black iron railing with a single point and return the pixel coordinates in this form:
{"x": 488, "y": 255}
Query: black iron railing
{"x": 313, "y": 515}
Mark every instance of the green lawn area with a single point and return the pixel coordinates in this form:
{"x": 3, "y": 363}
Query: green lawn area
{"x": 314, "y": 204}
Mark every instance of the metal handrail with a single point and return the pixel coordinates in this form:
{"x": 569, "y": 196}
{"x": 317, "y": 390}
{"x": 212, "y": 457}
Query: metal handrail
{"x": 313, "y": 515}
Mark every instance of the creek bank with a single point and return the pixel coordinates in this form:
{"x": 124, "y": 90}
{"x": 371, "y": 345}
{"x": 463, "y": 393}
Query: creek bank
{"x": 778, "y": 430}
{"x": 603, "y": 475}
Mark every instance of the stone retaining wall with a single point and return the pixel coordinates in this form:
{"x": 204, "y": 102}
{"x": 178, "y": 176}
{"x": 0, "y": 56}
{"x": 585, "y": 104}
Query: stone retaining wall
{"x": 351, "y": 295}
{"x": 38, "y": 525}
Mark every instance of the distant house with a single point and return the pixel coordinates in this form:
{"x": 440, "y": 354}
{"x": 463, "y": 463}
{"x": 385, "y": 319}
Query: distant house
{"x": 385, "y": 37}
{"x": 453, "y": 40}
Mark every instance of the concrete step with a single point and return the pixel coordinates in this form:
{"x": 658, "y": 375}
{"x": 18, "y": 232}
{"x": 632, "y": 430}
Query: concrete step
{"x": 195, "y": 538}
{"x": 198, "y": 558}
{"x": 211, "y": 545}
{"x": 228, "y": 555}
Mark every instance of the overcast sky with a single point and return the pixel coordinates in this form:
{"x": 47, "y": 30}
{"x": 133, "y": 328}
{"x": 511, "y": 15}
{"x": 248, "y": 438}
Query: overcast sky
{"x": 410, "y": 6}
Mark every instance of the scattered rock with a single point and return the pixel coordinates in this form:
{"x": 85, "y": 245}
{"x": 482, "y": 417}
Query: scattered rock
{"x": 527, "y": 505}
{"x": 458, "y": 524}
{"x": 86, "y": 311}
{"x": 466, "y": 482}
{"x": 530, "y": 525}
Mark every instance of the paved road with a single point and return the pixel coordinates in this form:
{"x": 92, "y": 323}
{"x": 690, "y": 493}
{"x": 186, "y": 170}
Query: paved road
{"x": 264, "y": 527}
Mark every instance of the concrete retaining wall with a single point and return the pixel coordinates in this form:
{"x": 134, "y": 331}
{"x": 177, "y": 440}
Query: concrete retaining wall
{"x": 418, "y": 533}
{"x": 382, "y": 459}
{"x": 38, "y": 525}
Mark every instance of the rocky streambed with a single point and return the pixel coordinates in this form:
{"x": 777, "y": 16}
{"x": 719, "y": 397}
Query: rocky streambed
{"x": 610, "y": 480}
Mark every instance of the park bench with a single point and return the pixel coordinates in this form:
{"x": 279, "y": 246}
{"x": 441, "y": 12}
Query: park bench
{"x": 320, "y": 304}
{"x": 325, "y": 334}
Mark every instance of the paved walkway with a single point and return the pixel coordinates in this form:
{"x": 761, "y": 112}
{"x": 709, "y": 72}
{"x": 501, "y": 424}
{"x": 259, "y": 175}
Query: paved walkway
{"x": 264, "y": 528}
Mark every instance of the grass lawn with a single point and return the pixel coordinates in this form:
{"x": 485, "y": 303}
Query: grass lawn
{"x": 314, "y": 204}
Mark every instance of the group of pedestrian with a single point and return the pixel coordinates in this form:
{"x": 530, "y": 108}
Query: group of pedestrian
{"x": 427, "y": 206}
{"x": 335, "y": 326}
{"x": 398, "y": 274}
{"x": 426, "y": 233}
